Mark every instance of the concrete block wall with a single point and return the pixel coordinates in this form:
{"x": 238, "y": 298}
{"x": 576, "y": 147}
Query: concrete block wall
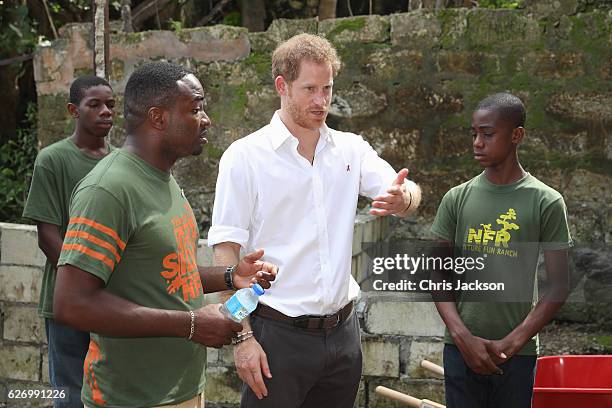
{"x": 23, "y": 343}
{"x": 396, "y": 333}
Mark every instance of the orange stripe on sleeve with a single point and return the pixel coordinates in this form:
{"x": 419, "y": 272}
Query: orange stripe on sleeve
{"x": 102, "y": 228}
{"x": 95, "y": 240}
{"x": 90, "y": 252}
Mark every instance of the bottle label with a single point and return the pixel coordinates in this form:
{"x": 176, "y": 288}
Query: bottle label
{"x": 236, "y": 308}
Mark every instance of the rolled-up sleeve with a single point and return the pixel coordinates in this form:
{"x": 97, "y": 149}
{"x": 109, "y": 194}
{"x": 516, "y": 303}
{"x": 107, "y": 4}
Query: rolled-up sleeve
{"x": 234, "y": 200}
{"x": 376, "y": 174}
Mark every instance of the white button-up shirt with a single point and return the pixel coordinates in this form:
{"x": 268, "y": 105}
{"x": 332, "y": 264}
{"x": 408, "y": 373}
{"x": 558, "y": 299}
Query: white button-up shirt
{"x": 269, "y": 196}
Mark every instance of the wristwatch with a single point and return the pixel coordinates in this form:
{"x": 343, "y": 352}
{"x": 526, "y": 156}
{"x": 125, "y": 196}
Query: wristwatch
{"x": 229, "y": 281}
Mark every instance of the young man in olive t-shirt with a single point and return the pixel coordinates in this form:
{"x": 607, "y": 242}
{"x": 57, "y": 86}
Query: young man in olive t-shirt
{"x": 504, "y": 215}
{"x": 58, "y": 168}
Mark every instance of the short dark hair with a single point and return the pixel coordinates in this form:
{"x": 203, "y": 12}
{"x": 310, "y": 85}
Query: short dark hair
{"x": 82, "y": 84}
{"x": 152, "y": 84}
{"x": 510, "y": 108}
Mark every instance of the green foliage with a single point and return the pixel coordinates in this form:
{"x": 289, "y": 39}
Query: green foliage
{"x": 260, "y": 62}
{"x": 17, "y": 34}
{"x": 17, "y": 156}
{"x": 74, "y": 4}
{"x": 233, "y": 18}
{"x": 354, "y": 24}
{"x": 605, "y": 341}
{"x": 176, "y": 26}
{"x": 501, "y": 4}
{"x": 55, "y": 7}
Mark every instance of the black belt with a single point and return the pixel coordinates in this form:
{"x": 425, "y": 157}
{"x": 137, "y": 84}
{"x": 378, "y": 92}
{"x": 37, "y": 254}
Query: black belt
{"x": 306, "y": 321}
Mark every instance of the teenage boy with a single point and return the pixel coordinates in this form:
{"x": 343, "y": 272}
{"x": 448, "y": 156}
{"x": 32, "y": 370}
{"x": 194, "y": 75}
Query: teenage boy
{"x": 491, "y": 347}
{"x": 58, "y": 168}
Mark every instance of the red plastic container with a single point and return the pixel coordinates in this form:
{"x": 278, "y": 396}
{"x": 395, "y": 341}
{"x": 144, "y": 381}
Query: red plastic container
{"x": 573, "y": 382}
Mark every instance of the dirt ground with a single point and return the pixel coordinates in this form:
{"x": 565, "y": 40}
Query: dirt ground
{"x": 572, "y": 338}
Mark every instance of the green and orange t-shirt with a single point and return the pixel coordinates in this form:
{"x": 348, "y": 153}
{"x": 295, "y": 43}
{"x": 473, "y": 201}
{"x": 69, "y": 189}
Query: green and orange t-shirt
{"x": 131, "y": 226}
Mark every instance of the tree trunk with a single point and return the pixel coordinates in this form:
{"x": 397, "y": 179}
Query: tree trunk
{"x": 327, "y": 9}
{"x": 101, "y": 38}
{"x": 146, "y": 10}
{"x": 126, "y": 16}
{"x": 415, "y": 4}
{"x": 213, "y": 13}
{"x": 49, "y": 18}
{"x": 253, "y": 14}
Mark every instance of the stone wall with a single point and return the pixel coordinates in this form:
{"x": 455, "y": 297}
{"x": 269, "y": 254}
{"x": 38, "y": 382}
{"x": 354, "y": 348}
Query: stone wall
{"x": 23, "y": 348}
{"x": 409, "y": 84}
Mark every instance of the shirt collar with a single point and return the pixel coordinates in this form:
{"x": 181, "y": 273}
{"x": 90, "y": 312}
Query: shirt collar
{"x": 280, "y": 133}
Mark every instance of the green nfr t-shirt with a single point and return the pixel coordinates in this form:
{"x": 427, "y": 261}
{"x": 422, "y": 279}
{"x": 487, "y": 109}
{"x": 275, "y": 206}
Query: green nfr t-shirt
{"x": 506, "y": 225}
{"x": 131, "y": 226}
{"x": 58, "y": 168}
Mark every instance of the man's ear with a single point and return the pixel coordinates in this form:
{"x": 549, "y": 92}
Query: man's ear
{"x": 281, "y": 85}
{"x": 518, "y": 134}
{"x": 157, "y": 117}
{"x": 73, "y": 110}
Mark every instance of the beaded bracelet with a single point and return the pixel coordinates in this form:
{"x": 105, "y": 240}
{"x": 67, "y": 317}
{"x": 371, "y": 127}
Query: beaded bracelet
{"x": 191, "y": 325}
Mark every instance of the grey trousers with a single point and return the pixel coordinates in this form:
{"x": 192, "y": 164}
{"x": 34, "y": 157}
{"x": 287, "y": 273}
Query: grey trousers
{"x": 310, "y": 368}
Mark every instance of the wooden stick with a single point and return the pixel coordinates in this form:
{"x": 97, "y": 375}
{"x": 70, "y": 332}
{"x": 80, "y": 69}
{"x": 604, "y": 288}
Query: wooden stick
{"x": 434, "y": 368}
{"x": 50, "y": 19}
{"x": 208, "y": 18}
{"x": 430, "y": 404}
{"x": 398, "y": 396}
{"x": 406, "y": 399}
{"x": 19, "y": 58}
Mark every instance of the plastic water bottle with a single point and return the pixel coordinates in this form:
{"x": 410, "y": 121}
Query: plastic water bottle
{"x": 242, "y": 303}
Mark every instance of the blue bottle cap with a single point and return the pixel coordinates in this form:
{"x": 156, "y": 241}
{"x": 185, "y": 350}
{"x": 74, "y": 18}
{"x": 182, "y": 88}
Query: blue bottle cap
{"x": 258, "y": 289}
